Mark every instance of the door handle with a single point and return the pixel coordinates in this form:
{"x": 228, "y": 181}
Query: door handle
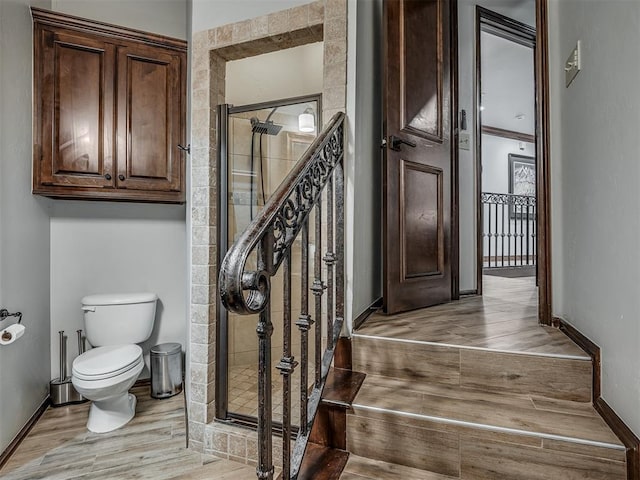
{"x": 396, "y": 142}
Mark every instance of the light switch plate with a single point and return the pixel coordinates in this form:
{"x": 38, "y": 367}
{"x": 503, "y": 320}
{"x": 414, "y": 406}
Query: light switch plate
{"x": 572, "y": 65}
{"x": 464, "y": 141}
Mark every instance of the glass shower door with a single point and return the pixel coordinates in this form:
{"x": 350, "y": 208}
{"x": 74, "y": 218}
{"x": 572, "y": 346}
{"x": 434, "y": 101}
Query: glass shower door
{"x": 259, "y": 148}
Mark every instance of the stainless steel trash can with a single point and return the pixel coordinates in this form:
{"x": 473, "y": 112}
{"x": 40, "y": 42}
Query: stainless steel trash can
{"x": 166, "y": 370}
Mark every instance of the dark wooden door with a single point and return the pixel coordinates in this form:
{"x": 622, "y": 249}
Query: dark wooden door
{"x": 75, "y": 89}
{"x": 418, "y": 171}
{"x": 151, "y": 109}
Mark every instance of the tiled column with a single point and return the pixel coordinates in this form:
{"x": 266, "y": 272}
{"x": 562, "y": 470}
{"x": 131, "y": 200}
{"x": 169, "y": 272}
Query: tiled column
{"x": 334, "y": 95}
{"x": 207, "y": 91}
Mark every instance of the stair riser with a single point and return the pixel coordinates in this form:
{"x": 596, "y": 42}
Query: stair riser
{"x": 471, "y": 453}
{"x": 553, "y": 377}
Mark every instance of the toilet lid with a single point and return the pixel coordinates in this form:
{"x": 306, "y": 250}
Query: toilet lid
{"x": 105, "y": 362}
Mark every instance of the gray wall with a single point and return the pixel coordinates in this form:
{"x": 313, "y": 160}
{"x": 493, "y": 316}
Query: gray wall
{"x": 24, "y": 230}
{"x": 103, "y": 247}
{"x": 364, "y": 159}
{"x": 595, "y": 195}
{"x": 495, "y": 161}
{"x": 164, "y": 17}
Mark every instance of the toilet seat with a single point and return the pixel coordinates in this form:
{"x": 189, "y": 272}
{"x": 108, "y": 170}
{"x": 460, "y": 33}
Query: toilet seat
{"x": 102, "y": 363}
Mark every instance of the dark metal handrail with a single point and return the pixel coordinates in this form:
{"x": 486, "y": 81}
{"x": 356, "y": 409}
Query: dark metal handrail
{"x": 314, "y": 183}
{"x": 509, "y": 230}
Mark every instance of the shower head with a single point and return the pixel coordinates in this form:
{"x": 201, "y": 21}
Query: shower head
{"x": 267, "y": 127}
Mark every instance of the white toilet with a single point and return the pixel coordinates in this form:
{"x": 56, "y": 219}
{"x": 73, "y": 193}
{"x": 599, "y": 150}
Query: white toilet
{"x": 114, "y": 324}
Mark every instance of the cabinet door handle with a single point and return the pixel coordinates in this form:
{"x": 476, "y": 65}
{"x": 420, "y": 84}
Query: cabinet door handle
{"x": 121, "y": 177}
{"x": 108, "y": 176}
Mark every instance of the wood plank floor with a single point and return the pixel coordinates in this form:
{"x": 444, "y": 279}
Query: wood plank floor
{"x": 151, "y": 446}
{"x": 504, "y": 318}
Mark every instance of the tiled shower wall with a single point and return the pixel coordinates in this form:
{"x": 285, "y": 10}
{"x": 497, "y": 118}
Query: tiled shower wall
{"x": 324, "y": 19}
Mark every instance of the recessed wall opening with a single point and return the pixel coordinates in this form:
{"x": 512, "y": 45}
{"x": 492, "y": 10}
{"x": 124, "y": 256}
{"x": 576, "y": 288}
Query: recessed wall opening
{"x": 212, "y": 70}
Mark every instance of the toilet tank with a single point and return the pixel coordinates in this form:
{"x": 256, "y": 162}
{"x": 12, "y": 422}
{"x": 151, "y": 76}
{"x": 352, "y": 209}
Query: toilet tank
{"x": 113, "y": 319}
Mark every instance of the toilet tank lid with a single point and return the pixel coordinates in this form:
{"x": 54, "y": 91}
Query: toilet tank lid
{"x": 119, "y": 298}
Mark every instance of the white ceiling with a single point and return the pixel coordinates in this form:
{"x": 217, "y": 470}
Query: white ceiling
{"x": 508, "y": 84}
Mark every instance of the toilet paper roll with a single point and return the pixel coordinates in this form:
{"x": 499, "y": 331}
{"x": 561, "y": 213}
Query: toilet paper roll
{"x": 11, "y": 334}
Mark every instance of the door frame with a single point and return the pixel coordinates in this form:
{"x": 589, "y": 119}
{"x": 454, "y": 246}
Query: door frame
{"x": 524, "y": 34}
{"x": 543, "y": 151}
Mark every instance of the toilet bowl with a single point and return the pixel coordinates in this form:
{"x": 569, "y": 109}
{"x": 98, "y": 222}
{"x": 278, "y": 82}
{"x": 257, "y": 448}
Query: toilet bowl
{"x": 104, "y": 375}
{"x": 114, "y": 324}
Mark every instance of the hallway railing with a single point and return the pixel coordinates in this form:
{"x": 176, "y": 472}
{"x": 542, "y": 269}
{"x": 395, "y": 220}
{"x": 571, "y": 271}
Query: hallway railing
{"x": 310, "y": 198}
{"x": 509, "y": 230}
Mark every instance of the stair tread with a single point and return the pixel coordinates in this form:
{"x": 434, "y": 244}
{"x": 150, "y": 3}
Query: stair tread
{"x": 520, "y": 414}
{"x": 362, "y": 468}
{"x": 342, "y": 386}
{"x": 322, "y": 463}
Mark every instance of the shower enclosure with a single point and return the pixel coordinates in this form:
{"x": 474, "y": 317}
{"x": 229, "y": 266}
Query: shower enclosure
{"x": 258, "y": 146}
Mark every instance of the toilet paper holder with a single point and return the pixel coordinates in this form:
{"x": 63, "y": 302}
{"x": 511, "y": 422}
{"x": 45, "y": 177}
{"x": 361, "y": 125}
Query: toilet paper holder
{"x": 11, "y": 333}
{"x": 4, "y": 314}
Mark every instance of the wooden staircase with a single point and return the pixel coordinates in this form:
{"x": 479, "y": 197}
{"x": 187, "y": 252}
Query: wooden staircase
{"x": 429, "y": 410}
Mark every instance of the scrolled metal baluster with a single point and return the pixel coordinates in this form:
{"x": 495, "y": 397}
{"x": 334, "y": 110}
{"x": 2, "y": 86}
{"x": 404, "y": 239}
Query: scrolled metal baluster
{"x": 502, "y": 234}
{"x": 527, "y": 241}
{"x": 286, "y": 366}
{"x": 534, "y": 245}
{"x": 495, "y": 263}
{"x": 339, "y": 219}
{"x": 330, "y": 257}
{"x": 489, "y": 235}
{"x": 509, "y": 234}
{"x": 265, "y": 469}
{"x": 304, "y": 324}
{"x": 318, "y": 289}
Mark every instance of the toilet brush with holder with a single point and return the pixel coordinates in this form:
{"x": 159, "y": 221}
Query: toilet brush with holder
{"x": 61, "y": 389}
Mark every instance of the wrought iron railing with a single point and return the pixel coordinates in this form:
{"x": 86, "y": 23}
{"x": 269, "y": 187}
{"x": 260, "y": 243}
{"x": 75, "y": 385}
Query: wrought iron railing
{"x": 316, "y": 183}
{"x": 509, "y": 230}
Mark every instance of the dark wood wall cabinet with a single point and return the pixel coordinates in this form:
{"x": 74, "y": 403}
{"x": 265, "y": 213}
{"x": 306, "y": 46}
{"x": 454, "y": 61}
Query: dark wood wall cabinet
{"x": 109, "y": 111}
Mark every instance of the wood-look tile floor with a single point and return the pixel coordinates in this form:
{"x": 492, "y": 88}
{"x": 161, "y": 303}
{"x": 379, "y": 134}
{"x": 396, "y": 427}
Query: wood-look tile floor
{"x": 504, "y": 318}
{"x": 151, "y": 446}
{"x": 362, "y": 468}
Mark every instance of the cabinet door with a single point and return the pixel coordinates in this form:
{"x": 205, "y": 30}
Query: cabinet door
{"x": 75, "y": 90}
{"x": 151, "y": 102}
